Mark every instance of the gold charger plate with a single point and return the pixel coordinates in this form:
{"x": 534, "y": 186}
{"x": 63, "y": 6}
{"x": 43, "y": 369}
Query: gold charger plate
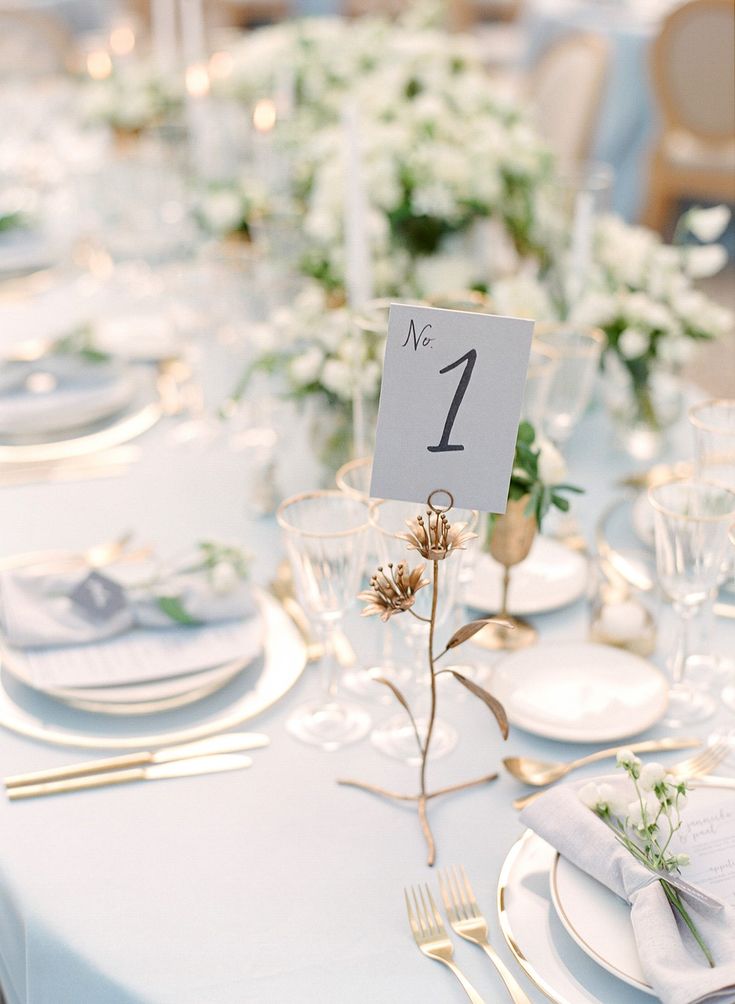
{"x": 284, "y": 659}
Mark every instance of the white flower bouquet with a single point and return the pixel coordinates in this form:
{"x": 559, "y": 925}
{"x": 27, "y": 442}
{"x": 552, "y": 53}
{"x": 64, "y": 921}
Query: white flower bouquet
{"x": 228, "y": 209}
{"x": 133, "y": 98}
{"x": 441, "y": 147}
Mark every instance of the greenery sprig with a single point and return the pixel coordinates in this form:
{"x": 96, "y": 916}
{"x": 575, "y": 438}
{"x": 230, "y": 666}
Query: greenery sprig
{"x": 527, "y": 478}
{"x": 646, "y": 825}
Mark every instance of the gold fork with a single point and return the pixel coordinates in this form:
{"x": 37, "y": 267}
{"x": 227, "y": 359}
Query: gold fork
{"x": 431, "y": 935}
{"x": 469, "y": 923}
{"x": 702, "y": 763}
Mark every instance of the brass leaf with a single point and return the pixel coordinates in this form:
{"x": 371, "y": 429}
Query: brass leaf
{"x": 464, "y": 633}
{"x": 492, "y": 702}
{"x": 395, "y": 691}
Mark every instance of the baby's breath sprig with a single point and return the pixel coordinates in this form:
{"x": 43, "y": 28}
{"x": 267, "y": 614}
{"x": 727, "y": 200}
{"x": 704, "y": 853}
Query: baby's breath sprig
{"x": 646, "y": 825}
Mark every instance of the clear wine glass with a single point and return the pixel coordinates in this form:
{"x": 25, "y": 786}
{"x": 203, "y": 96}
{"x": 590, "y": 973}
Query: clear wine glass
{"x": 395, "y": 737}
{"x": 577, "y": 350}
{"x": 353, "y": 478}
{"x": 542, "y": 366}
{"x": 580, "y": 193}
{"x": 691, "y": 520}
{"x": 713, "y": 425}
{"x": 325, "y": 533}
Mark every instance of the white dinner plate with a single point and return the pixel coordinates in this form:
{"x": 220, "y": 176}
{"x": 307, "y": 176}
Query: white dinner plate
{"x": 283, "y": 661}
{"x": 538, "y": 940}
{"x": 143, "y": 411}
{"x": 580, "y": 692}
{"x": 552, "y": 576}
{"x": 599, "y": 921}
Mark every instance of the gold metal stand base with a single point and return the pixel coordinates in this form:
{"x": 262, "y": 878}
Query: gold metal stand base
{"x": 498, "y": 636}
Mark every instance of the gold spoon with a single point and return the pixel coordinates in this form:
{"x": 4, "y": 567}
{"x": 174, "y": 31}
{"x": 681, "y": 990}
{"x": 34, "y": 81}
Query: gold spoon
{"x": 541, "y": 772}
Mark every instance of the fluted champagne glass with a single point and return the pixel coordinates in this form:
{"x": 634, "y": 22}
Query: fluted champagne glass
{"x": 325, "y": 534}
{"x": 691, "y": 521}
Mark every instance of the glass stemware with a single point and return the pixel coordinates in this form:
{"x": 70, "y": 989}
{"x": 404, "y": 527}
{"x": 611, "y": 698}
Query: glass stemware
{"x": 542, "y": 366}
{"x": 353, "y": 478}
{"x": 691, "y": 520}
{"x": 713, "y": 422}
{"x": 396, "y": 737}
{"x": 581, "y": 193}
{"x": 325, "y": 533}
{"x": 577, "y": 350}
{"x": 713, "y": 425}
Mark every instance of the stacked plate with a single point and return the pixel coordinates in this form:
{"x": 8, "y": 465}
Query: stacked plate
{"x": 65, "y": 404}
{"x": 572, "y": 935}
{"x": 213, "y": 676}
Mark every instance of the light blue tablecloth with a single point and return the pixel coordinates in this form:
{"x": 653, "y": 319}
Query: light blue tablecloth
{"x": 271, "y": 885}
{"x": 627, "y": 120}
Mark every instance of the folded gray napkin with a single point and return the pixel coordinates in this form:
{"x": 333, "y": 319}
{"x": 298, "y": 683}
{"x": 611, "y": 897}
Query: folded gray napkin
{"x": 671, "y": 959}
{"x": 37, "y": 606}
{"x": 60, "y": 392}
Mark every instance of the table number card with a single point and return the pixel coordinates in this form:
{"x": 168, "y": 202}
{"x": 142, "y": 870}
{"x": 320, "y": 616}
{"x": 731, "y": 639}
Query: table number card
{"x": 450, "y": 404}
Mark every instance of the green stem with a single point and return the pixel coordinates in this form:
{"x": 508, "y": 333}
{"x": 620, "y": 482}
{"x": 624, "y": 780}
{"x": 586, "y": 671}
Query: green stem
{"x": 675, "y": 900}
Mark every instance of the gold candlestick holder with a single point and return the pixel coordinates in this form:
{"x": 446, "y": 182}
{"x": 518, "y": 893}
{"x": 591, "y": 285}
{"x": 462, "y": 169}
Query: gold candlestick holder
{"x": 392, "y": 591}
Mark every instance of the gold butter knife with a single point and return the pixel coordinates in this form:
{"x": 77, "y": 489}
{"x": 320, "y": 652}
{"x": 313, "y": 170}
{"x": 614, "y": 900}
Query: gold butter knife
{"x": 230, "y": 742}
{"x": 155, "y": 772}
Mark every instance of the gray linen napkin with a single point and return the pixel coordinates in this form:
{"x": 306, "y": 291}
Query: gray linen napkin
{"x": 36, "y": 608}
{"x": 671, "y": 959}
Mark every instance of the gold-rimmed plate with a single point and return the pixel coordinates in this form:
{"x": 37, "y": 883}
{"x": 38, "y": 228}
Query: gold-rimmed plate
{"x": 599, "y": 921}
{"x": 537, "y": 939}
{"x": 250, "y": 694}
{"x": 143, "y": 412}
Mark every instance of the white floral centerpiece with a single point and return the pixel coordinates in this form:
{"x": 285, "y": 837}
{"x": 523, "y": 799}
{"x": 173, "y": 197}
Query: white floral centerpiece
{"x": 133, "y": 98}
{"x": 641, "y": 292}
{"x": 318, "y": 358}
{"x": 442, "y": 149}
{"x": 229, "y": 208}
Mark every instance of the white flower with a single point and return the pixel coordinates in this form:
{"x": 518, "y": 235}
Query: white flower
{"x": 222, "y": 210}
{"x": 304, "y": 369}
{"x": 707, "y": 224}
{"x": 651, "y": 775}
{"x": 589, "y": 795}
{"x": 224, "y": 578}
{"x": 705, "y": 261}
{"x": 337, "y": 378}
{"x": 633, "y": 343}
{"x": 683, "y": 859}
{"x": 647, "y": 807}
{"x": 626, "y": 758}
{"x": 551, "y": 465}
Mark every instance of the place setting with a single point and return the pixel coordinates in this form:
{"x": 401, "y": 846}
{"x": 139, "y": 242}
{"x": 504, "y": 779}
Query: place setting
{"x": 99, "y": 648}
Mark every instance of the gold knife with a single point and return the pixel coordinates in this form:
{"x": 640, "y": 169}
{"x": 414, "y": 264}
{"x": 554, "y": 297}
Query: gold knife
{"x": 155, "y": 772}
{"x": 230, "y": 742}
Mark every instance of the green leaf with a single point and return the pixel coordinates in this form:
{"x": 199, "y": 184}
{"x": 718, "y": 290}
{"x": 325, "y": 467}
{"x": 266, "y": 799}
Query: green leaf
{"x": 173, "y": 608}
{"x": 526, "y": 433}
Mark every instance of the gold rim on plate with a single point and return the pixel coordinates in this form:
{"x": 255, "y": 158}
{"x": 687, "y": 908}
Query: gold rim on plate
{"x": 122, "y": 429}
{"x": 505, "y": 926}
{"x": 284, "y": 655}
